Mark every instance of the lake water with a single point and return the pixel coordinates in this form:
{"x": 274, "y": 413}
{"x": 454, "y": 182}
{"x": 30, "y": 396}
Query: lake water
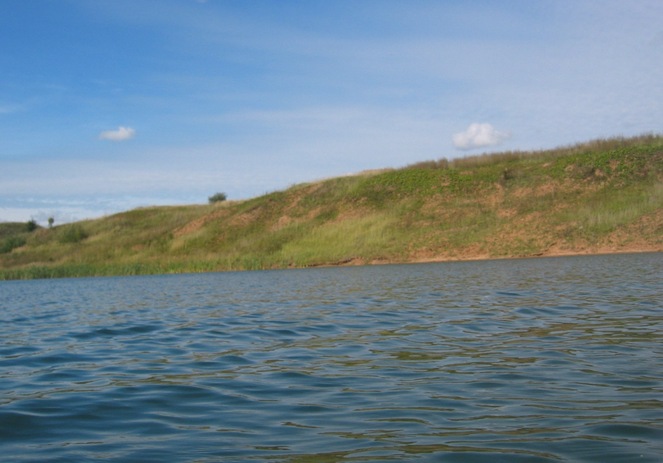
{"x": 538, "y": 360}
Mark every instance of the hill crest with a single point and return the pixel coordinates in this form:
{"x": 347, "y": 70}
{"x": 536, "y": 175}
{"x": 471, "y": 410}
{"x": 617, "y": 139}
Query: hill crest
{"x": 595, "y": 197}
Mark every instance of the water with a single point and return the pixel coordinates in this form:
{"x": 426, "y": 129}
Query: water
{"x": 542, "y": 360}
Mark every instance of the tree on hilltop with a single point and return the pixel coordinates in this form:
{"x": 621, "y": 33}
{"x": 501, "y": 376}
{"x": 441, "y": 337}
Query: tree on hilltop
{"x": 217, "y": 198}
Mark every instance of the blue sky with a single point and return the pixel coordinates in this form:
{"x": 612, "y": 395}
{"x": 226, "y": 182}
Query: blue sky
{"x": 108, "y": 105}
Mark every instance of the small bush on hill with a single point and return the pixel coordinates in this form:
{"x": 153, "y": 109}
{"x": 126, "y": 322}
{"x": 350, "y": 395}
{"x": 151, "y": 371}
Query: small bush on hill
{"x": 217, "y": 198}
{"x": 31, "y": 225}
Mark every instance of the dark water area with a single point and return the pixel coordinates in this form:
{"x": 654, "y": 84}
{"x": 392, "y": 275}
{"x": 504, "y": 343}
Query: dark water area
{"x": 538, "y": 360}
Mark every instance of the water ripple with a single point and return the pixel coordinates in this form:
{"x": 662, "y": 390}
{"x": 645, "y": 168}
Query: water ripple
{"x": 543, "y": 360}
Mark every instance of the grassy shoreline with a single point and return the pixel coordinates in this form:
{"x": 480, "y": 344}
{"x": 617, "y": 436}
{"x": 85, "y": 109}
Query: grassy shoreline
{"x": 603, "y": 196}
{"x": 94, "y": 271}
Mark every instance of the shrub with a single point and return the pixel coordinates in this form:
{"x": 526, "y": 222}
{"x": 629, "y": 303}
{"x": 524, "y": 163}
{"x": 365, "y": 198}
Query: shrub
{"x": 217, "y": 198}
{"x": 11, "y": 243}
{"x": 31, "y": 225}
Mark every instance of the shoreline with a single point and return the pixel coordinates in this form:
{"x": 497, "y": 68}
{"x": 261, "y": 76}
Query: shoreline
{"x": 358, "y": 262}
{"x": 54, "y": 272}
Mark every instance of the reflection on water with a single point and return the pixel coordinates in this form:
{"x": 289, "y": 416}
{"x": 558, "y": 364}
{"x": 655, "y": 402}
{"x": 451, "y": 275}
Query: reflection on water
{"x": 542, "y": 360}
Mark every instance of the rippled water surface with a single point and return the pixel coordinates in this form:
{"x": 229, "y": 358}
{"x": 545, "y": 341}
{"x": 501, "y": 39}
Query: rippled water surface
{"x": 542, "y": 360}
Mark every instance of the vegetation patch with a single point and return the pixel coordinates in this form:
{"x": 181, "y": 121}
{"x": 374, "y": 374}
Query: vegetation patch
{"x": 71, "y": 234}
{"x": 11, "y": 243}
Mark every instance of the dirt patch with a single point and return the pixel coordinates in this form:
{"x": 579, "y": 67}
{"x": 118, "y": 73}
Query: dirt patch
{"x": 199, "y": 223}
{"x": 646, "y": 234}
{"x": 538, "y": 191}
{"x": 281, "y": 222}
{"x": 245, "y": 218}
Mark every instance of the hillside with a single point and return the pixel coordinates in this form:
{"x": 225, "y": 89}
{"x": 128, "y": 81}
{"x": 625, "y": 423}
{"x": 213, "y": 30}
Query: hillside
{"x": 596, "y": 197}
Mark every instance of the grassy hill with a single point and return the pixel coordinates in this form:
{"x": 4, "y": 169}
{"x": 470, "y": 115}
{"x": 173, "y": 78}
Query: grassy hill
{"x": 600, "y": 196}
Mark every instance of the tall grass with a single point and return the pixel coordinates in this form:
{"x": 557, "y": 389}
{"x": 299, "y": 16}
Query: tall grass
{"x": 606, "y": 212}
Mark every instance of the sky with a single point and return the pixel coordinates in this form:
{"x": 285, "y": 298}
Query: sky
{"x": 109, "y": 105}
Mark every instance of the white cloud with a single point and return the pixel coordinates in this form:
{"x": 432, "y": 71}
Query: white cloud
{"x": 479, "y": 135}
{"x": 121, "y": 134}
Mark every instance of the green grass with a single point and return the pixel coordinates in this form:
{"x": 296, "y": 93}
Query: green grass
{"x": 606, "y": 212}
{"x": 490, "y": 205}
{"x": 14, "y": 235}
